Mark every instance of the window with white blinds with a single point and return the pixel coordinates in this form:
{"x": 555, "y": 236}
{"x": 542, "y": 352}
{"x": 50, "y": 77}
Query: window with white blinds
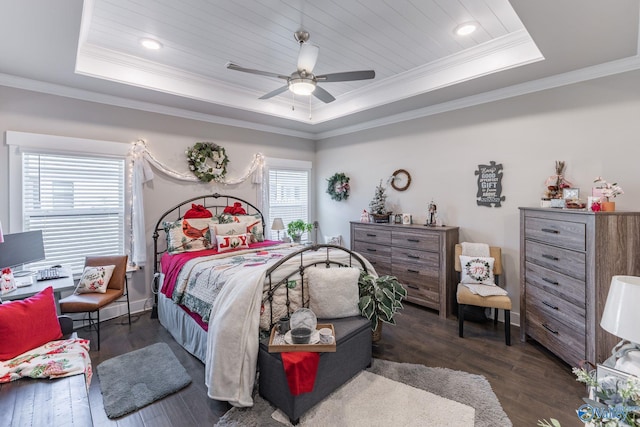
{"x": 77, "y": 202}
{"x": 288, "y": 197}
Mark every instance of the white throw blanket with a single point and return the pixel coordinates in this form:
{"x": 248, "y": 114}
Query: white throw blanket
{"x": 475, "y": 249}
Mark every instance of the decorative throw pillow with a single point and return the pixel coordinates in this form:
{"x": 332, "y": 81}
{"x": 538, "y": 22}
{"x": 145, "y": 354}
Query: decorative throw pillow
{"x": 333, "y": 240}
{"x": 197, "y": 211}
{"x": 232, "y": 241}
{"x": 189, "y": 235}
{"x": 95, "y": 279}
{"x": 253, "y": 224}
{"x": 27, "y": 324}
{"x": 477, "y": 270}
{"x": 334, "y": 292}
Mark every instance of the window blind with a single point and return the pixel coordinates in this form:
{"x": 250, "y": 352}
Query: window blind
{"x": 77, "y": 202}
{"x": 288, "y": 197}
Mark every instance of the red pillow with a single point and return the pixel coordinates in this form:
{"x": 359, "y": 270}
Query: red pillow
{"x": 236, "y": 209}
{"x": 198, "y": 211}
{"x": 27, "y": 324}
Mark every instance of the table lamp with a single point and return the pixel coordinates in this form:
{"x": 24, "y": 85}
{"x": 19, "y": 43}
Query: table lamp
{"x": 621, "y": 315}
{"x": 277, "y": 225}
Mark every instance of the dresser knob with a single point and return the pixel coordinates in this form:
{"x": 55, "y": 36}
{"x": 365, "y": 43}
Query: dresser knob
{"x": 550, "y": 305}
{"x": 550, "y": 230}
{"x": 544, "y": 325}
{"x": 553, "y": 282}
{"x": 551, "y": 257}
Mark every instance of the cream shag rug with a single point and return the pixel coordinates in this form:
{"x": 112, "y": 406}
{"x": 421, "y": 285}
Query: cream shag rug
{"x": 462, "y": 387}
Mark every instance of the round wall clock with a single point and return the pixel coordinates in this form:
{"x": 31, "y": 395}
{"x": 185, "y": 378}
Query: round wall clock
{"x": 401, "y": 180}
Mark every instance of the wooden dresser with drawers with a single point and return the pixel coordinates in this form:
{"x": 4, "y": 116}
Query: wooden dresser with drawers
{"x": 567, "y": 259}
{"x": 420, "y": 257}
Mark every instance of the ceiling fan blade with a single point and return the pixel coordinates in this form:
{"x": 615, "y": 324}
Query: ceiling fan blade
{"x": 236, "y": 67}
{"x": 347, "y": 76}
{"x": 307, "y": 57}
{"x": 323, "y": 95}
{"x": 275, "y": 92}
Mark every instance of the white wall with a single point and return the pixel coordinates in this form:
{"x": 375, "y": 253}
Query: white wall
{"x": 594, "y": 127}
{"x": 167, "y": 138}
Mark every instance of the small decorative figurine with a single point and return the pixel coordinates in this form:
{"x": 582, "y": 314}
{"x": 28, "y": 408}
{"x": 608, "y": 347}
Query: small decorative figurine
{"x": 365, "y": 216}
{"x": 432, "y": 214}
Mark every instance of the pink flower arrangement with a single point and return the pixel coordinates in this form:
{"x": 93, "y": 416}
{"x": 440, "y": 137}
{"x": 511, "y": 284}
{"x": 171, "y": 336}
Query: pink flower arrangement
{"x": 609, "y": 190}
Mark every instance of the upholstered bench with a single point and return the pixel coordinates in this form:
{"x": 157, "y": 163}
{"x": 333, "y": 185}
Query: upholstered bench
{"x": 353, "y": 354}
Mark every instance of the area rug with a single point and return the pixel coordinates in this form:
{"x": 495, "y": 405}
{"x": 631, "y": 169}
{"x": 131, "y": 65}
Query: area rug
{"x": 138, "y": 378}
{"x": 462, "y": 387}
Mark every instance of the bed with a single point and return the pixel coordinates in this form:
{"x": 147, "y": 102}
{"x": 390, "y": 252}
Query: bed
{"x": 216, "y": 301}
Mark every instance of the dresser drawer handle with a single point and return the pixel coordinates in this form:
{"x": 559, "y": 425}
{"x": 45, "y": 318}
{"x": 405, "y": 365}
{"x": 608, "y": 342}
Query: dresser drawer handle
{"x": 551, "y": 257}
{"x": 412, "y": 287}
{"x": 413, "y": 256}
{"x": 371, "y": 235}
{"x": 372, "y": 250}
{"x": 544, "y": 325}
{"x": 414, "y": 240}
{"x": 553, "y": 282}
{"x": 550, "y": 305}
{"x": 550, "y": 230}
{"x": 413, "y": 271}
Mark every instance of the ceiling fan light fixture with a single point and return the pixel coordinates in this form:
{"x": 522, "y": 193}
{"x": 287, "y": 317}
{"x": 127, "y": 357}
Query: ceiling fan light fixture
{"x": 466, "y": 28}
{"x": 302, "y": 86}
{"x": 150, "y": 44}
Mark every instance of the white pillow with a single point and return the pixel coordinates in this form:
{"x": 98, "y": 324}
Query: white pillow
{"x": 95, "y": 279}
{"x": 333, "y": 240}
{"x": 477, "y": 270}
{"x": 189, "y": 235}
{"x": 232, "y": 241}
{"x": 333, "y": 292}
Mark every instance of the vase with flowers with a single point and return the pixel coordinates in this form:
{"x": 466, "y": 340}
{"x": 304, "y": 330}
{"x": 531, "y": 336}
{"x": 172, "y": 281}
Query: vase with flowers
{"x": 607, "y": 192}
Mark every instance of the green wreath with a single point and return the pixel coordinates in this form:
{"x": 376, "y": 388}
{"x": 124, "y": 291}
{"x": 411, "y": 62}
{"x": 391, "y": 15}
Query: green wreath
{"x": 338, "y": 187}
{"x": 207, "y": 161}
{"x": 486, "y": 272}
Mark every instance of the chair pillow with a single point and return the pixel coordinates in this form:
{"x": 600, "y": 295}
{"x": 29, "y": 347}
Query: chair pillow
{"x": 27, "y": 324}
{"x": 334, "y": 292}
{"x": 232, "y": 241}
{"x": 477, "y": 270}
{"x": 95, "y": 279}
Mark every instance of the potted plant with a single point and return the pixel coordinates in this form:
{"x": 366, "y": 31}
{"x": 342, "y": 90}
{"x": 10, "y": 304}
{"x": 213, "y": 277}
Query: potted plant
{"x": 296, "y": 228}
{"x": 380, "y": 299}
{"x": 377, "y": 204}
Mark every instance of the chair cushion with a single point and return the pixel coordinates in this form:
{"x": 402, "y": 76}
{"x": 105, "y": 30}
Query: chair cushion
{"x": 28, "y": 324}
{"x": 95, "y": 279}
{"x": 81, "y": 303}
{"x": 464, "y": 296}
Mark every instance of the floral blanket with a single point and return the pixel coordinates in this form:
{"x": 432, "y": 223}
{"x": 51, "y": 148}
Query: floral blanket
{"x": 55, "y": 359}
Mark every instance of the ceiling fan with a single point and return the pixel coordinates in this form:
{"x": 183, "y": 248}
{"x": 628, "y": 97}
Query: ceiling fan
{"x": 303, "y": 81}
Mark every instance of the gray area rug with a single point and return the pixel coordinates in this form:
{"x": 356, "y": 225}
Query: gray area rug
{"x": 138, "y": 378}
{"x": 469, "y": 389}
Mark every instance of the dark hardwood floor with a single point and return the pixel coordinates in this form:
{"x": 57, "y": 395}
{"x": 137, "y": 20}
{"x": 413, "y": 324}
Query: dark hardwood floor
{"x": 530, "y": 382}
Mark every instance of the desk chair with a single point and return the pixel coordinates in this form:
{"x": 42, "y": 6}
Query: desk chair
{"x": 465, "y": 297}
{"x": 92, "y": 302}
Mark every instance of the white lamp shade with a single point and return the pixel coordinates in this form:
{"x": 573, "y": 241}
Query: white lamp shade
{"x": 621, "y": 315}
{"x": 277, "y": 224}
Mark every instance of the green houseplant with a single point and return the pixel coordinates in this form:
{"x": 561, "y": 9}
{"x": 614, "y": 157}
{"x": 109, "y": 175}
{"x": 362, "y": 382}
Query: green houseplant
{"x": 296, "y": 228}
{"x": 380, "y": 298}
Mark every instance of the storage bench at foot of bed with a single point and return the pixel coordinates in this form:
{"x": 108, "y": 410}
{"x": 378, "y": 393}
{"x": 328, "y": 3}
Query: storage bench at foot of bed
{"x": 353, "y": 354}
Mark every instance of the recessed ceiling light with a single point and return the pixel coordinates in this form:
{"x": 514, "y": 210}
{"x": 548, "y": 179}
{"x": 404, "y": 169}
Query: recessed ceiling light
{"x": 466, "y": 28}
{"x": 151, "y": 44}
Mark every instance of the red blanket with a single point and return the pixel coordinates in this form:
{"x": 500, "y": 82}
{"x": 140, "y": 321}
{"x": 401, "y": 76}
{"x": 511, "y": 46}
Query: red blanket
{"x": 301, "y": 368}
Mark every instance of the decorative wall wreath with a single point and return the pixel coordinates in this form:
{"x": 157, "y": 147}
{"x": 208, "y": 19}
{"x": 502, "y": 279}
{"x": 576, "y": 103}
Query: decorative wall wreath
{"x": 338, "y": 187}
{"x": 395, "y": 177}
{"x": 207, "y": 161}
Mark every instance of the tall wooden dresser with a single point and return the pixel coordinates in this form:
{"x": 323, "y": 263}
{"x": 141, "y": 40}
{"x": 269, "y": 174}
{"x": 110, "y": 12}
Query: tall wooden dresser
{"x": 567, "y": 259}
{"x": 420, "y": 257}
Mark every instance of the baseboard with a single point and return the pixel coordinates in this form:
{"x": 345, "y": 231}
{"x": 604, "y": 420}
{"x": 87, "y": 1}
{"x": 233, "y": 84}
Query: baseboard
{"x": 118, "y": 309}
{"x": 515, "y": 317}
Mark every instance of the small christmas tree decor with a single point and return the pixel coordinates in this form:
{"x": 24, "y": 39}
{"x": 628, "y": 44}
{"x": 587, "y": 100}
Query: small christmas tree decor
{"x": 377, "y": 205}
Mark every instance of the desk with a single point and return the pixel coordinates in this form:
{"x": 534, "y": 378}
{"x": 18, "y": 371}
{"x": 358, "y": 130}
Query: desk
{"x": 58, "y": 285}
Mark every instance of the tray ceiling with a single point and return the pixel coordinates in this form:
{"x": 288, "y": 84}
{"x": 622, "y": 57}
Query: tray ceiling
{"x": 420, "y": 62}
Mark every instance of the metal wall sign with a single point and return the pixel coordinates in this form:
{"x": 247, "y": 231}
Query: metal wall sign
{"x": 489, "y": 185}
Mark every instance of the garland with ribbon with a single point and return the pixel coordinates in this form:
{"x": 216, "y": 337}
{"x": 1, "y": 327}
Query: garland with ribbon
{"x": 338, "y": 187}
{"x": 207, "y": 161}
